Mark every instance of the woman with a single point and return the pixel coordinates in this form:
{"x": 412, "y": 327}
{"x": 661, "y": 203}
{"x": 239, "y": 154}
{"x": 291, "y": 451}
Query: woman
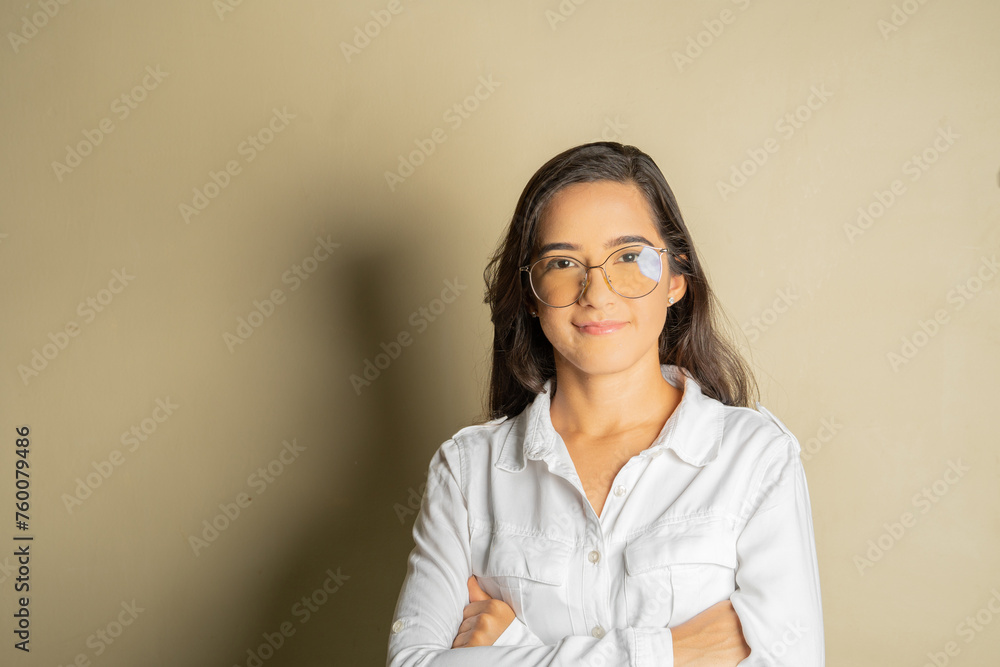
{"x": 624, "y": 505}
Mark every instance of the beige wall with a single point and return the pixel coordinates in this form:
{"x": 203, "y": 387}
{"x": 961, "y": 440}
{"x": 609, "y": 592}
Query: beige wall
{"x": 823, "y": 301}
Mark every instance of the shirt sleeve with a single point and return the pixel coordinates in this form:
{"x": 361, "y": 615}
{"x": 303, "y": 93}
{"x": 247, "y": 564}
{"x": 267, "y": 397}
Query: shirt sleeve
{"x": 434, "y": 594}
{"x": 518, "y": 634}
{"x": 777, "y": 578}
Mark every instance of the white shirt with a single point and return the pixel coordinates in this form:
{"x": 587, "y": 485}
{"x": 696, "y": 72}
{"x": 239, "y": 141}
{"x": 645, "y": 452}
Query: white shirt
{"x": 715, "y": 508}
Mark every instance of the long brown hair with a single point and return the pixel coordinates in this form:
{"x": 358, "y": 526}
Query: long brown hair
{"x": 522, "y": 358}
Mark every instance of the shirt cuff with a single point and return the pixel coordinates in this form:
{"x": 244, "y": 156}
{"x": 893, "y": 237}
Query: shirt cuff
{"x": 654, "y": 647}
{"x": 518, "y": 634}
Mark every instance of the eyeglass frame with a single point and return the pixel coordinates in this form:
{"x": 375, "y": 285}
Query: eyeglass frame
{"x": 600, "y": 266}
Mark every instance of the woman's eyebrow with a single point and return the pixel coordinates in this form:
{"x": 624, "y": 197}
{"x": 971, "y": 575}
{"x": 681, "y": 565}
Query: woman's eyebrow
{"x": 617, "y": 241}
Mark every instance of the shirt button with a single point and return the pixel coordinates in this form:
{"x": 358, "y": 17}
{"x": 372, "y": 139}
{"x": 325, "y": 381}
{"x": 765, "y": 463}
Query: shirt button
{"x": 619, "y": 491}
{"x": 397, "y": 626}
{"x": 598, "y": 631}
{"x": 594, "y": 556}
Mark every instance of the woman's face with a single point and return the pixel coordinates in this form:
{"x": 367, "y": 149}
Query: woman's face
{"x": 603, "y": 332}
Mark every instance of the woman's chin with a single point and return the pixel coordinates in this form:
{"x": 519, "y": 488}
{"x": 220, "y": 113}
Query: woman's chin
{"x": 606, "y": 363}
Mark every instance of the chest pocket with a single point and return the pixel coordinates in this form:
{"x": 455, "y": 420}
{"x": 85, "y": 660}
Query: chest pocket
{"x": 529, "y": 573}
{"x": 678, "y": 571}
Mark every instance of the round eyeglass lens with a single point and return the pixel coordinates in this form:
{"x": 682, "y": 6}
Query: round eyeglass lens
{"x": 633, "y": 271}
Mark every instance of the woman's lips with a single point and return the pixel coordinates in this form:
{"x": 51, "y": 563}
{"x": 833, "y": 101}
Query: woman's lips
{"x": 602, "y": 327}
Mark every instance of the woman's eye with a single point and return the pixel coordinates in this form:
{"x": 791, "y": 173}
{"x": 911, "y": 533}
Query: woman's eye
{"x": 629, "y": 257}
{"x": 559, "y": 263}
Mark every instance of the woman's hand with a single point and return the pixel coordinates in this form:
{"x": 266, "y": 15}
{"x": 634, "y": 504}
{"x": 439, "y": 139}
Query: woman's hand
{"x": 713, "y": 638}
{"x": 484, "y": 618}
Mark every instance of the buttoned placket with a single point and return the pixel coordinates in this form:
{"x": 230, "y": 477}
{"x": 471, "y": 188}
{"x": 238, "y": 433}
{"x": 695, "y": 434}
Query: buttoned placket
{"x": 593, "y": 588}
{"x": 596, "y": 585}
{"x": 544, "y": 442}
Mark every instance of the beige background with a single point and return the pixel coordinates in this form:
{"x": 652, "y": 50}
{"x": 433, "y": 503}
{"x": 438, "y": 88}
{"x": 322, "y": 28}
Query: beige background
{"x": 877, "y": 430}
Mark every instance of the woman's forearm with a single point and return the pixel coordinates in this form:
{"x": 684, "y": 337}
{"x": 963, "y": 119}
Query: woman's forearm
{"x": 713, "y": 637}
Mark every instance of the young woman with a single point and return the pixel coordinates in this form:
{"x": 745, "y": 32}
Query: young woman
{"x": 624, "y": 505}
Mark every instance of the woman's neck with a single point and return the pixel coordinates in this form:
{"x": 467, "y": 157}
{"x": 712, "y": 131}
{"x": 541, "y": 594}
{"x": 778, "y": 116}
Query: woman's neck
{"x": 596, "y": 407}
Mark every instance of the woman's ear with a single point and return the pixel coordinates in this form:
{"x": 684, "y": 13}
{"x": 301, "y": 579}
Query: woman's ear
{"x": 531, "y": 304}
{"x": 678, "y": 284}
{"x": 678, "y": 287}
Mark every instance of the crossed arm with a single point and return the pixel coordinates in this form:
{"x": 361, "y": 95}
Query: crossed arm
{"x": 713, "y": 638}
{"x": 775, "y": 610}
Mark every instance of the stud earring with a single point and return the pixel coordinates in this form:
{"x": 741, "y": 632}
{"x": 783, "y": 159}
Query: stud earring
{"x": 670, "y": 301}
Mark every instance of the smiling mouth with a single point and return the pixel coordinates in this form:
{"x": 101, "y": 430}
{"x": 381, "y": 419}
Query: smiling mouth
{"x": 603, "y": 327}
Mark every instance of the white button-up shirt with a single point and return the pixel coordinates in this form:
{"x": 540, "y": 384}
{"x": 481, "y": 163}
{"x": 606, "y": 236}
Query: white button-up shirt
{"x": 715, "y": 508}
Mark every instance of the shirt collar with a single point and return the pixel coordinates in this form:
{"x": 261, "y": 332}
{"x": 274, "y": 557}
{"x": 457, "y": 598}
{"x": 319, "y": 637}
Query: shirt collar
{"x": 693, "y": 431}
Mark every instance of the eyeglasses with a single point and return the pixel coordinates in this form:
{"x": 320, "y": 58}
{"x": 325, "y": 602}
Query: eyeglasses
{"x": 560, "y": 281}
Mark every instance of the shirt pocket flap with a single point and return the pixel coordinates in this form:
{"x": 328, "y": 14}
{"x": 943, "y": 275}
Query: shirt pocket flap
{"x": 528, "y": 556}
{"x": 653, "y": 551}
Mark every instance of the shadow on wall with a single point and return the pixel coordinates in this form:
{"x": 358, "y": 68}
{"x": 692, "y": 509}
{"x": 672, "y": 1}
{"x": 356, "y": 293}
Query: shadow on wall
{"x": 356, "y": 542}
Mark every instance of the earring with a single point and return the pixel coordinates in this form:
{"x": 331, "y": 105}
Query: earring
{"x": 670, "y": 301}
{"x": 534, "y": 314}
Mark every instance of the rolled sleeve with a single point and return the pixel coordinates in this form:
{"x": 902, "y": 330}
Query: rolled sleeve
{"x": 778, "y": 592}
{"x": 517, "y": 634}
{"x": 654, "y": 646}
